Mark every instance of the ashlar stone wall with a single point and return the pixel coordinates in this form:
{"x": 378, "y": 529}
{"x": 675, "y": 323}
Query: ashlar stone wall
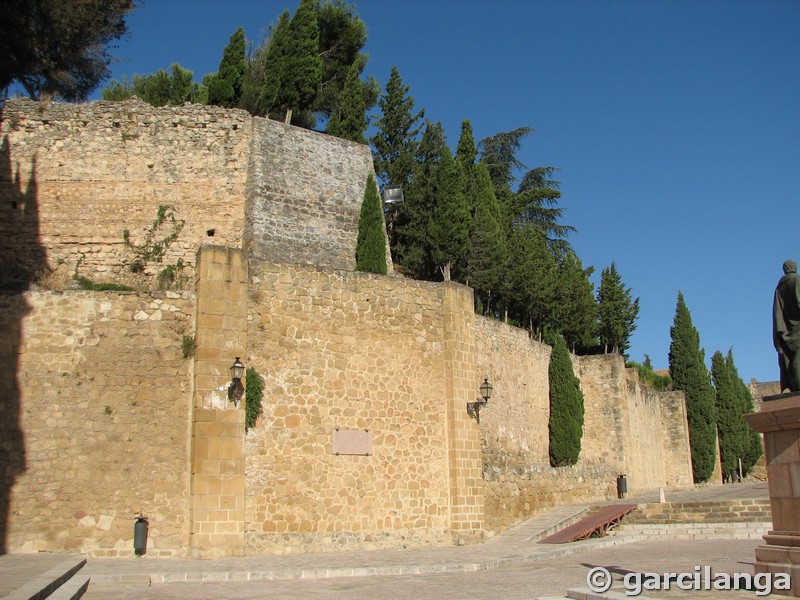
{"x": 101, "y": 395}
{"x": 362, "y": 357}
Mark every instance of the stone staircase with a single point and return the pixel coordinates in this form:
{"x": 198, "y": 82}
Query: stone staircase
{"x": 63, "y": 581}
{"x": 730, "y": 519}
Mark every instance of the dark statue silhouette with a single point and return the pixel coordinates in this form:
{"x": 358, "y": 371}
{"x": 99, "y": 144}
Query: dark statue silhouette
{"x": 786, "y": 326}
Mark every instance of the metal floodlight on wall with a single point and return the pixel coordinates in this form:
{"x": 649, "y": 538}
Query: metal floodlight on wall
{"x": 474, "y": 408}
{"x": 392, "y": 195}
{"x": 235, "y": 389}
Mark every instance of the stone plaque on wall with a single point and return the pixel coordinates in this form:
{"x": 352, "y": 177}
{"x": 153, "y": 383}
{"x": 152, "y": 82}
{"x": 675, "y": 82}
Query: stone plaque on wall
{"x": 352, "y": 441}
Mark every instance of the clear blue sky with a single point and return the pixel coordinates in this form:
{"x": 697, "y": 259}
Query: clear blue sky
{"x": 675, "y": 126}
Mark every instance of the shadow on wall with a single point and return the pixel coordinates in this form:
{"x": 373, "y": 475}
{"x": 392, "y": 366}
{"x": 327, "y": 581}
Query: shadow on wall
{"x": 21, "y": 258}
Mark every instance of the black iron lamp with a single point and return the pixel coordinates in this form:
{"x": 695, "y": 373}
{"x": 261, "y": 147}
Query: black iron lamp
{"x": 474, "y": 408}
{"x": 235, "y": 389}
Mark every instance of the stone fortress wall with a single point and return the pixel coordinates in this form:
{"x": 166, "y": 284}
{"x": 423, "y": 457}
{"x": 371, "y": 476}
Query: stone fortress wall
{"x": 99, "y": 391}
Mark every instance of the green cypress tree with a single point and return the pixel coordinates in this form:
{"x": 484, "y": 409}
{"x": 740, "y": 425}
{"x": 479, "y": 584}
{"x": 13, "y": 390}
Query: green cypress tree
{"x": 225, "y": 88}
{"x": 415, "y": 217}
{"x": 348, "y": 121}
{"x": 689, "y": 375}
{"x": 566, "y": 406}
{"x": 450, "y": 225}
{"x": 752, "y": 448}
{"x": 265, "y": 74}
{"x": 575, "y": 306}
{"x": 466, "y": 151}
{"x": 301, "y": 69}
{"x": 730, "y": 425}
{"x": 617, "y": 311}
{"x": 342, "y": 35}
{"x": 394, "y": 148}
{"x": 488, "y": 249}
{"x": 531, "y": 280}
{"x": 371, "y": 244}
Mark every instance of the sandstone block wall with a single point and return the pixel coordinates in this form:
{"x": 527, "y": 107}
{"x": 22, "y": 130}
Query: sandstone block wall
{"x": 101, "y": 392}
{"x": 218, "y": 483}
{"x": 76, "y": 175}
{"x": 353, "y": 352}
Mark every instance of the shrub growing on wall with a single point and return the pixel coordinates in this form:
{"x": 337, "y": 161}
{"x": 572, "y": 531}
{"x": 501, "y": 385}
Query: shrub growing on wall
{"x": 254, "y": 388}
{"x": 371, "y": 245}
{"x": 566, "y": 406}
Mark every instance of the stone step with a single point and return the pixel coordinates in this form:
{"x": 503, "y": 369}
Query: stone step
{"x": 696, "y": 531}
{"x": 732, "y": 511}
{"x": 44, "y": 585}
{"x": 73, "y": 589}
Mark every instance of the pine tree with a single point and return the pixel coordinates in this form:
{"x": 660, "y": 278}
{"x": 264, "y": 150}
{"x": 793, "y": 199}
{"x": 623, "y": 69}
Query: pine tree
{"x": 159, "y": 89}
{"x": 566, "y": 406}
{"x": 499, "y": 154}
{"x": 689, "y": 375}
{"x": 617, "y": 311}
{"x": 348, "y": 121}
{"x": 371, "y": 244}
{"x": 535, "y": 204}
{"x": 395, "y": 141}
{"x": 59, "y": 48}
{"x": 730, "y": 425}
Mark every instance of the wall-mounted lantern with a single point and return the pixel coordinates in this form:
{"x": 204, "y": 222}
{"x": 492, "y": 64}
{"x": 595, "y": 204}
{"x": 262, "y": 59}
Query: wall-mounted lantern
{"x": 474, "y": 408}
{"x": 235, "y": 389}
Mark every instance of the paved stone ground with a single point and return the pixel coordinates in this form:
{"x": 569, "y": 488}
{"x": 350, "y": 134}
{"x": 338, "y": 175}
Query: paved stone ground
{"x": 547, "y": 577}
{"x": 511, "y": 565}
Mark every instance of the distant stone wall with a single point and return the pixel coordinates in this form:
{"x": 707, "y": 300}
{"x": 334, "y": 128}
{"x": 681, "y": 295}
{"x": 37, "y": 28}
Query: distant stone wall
{"x": 631, "y": 428}
{"x": 74, "y": 176}
{"x": 518, "y": 479}
{"x": 102, "y": 395}
{"x": 621, "y": 416}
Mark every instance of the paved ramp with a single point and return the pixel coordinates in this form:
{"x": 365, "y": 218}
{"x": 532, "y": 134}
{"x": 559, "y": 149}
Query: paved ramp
{"x": 595, "y": 524}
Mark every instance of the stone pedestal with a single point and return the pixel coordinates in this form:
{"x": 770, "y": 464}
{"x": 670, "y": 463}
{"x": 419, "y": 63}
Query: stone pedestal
{"x": 779, "y": 421}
